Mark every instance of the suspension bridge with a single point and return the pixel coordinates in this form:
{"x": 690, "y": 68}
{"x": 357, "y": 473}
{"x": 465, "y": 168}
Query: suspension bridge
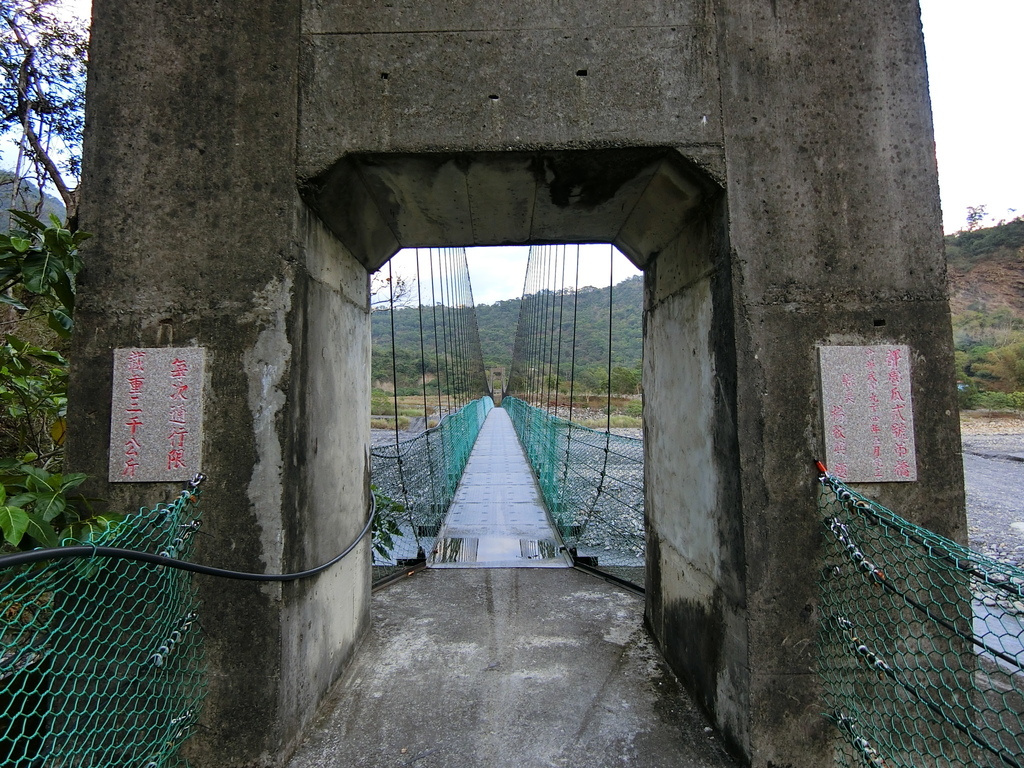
{"x": 504, "y": 648}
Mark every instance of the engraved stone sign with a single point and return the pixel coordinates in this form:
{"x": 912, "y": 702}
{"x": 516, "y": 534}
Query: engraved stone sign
{"x": 868, "y": 414}
{"x": 156, "y": 418}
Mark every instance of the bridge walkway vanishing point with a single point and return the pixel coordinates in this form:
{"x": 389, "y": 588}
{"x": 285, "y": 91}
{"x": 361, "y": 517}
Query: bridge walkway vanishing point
{"x": 507, "y": 661}
{"x": 497, "y": 518}
{"x": 508, "y": 668}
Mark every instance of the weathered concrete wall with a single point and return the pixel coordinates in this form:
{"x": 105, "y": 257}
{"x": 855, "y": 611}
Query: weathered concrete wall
{"x": 835, "y": 227}
{"x": 328, "y": 476}
{"x": 696, "y": 590}
{"x": 436, "y": 76}
{"x": 201, "y": 239}
{"x": 770, "y": 162}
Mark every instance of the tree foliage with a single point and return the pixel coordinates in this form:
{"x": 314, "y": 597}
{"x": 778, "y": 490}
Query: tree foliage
{"x": 988, "y": 340}
{"x": 389, "y": 291}
{"x": 975, "y": 216}
{"x": 39, "y": 504}
{"x": 497, "y": 323}
{"x": 42, "y": 95}
{"x": 967, "y": 247}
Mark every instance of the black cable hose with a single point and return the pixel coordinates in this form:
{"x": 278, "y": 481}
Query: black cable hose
{"x": 88, "y": 550}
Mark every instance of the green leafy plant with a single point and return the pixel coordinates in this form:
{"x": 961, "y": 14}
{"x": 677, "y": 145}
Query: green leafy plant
{"x": 38, "y": 508}
{"x": 38, "y": 265}
{"x": 39, "y": 505}
{"x": 385, "y": 523}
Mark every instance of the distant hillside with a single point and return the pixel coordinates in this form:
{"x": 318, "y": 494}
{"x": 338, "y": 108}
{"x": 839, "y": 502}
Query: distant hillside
{"x": 986, "y": 281}
{"x": 498, "y": 321}
{"x": 26, "y": 198}
{"x": 498, "y": 326}
{"x": 986, "y": 268}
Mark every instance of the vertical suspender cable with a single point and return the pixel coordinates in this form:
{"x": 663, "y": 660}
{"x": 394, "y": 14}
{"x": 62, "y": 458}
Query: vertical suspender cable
{"x": 445, "y": 321}
{"x": 394, "y": 355}
{"x": 437, "y": 351}
{"x": 575, "y": 306}
{"x": 542, "y": 321}
{"x": 454, "y": 328}
{"x": 550, "y": 330}
{"x": 515, "y": 374}
{"x": 480, "y": 380}
{"x": 528, "y": 338}
{"x": 423, "y": 374}
{"x": 561, "y": 309}
{"x": 611, "y": 291}
{"x": 394, "y": 380}
{"x": 463, "y": 327}
{"x": 531, "y": 334}
{"x": 423, "y": 354}
{"x": 542, "y": 357}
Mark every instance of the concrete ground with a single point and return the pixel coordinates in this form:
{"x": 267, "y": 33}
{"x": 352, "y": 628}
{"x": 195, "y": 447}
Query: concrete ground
{"x": 508, "y": 668}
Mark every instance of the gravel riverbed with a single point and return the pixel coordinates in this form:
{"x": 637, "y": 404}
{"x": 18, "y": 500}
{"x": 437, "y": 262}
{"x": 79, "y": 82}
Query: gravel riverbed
{"x": 993, "y": 453}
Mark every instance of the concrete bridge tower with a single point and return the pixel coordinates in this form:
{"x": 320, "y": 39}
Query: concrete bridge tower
{"x": 768, "y": 163}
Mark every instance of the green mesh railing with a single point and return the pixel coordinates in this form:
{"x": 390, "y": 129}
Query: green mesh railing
{"x": 593, "y": 485}
{"x": 101, "y": 660}
{"x": 921, "y": 639}
{"x": 421, "y": 476}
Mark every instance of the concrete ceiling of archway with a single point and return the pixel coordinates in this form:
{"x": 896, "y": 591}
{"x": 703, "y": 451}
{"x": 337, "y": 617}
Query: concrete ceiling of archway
{"x": 640, "y": 199}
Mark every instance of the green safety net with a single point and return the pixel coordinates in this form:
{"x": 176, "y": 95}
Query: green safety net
{"x": 593, "y": 485}
{"x": 920, "y": 648}
{"x": 415, "y": 480}
{"x": 101, "y": 661}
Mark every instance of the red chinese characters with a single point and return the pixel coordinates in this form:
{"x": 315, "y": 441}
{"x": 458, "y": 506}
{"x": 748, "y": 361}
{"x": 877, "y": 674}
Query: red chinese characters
{"x": 868, "y": 420}
{"x": 136, "y": 381}
{"x": 177, "y": 414}
{"x": 898, "y": 418}
{"x": 837, "y": 434}
{"x": 156, "y": 414}
{"x": 875, "y": 411}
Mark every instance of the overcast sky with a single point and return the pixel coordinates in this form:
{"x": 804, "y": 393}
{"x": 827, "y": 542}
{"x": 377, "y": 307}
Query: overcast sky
{"x": 976, "y": 74}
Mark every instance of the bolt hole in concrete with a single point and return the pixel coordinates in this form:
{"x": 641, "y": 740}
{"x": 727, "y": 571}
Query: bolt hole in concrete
{"x": 880, "y": 323}
{"x": 493, "y": 97}
{"x": 581, "y": 73}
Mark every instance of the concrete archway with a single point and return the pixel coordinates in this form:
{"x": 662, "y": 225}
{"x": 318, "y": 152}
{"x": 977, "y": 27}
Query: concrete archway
{"x": 246, "y": 161}
{"x": 669, "y": 217}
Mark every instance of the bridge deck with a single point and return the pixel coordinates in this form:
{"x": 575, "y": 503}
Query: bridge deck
{"x": 497, "y": 518}
{"x": 513, "y": 668}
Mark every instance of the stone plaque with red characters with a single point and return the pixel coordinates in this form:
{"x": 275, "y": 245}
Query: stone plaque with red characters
{"x": 156, "y": 418}
{"x": 868, "y": 413}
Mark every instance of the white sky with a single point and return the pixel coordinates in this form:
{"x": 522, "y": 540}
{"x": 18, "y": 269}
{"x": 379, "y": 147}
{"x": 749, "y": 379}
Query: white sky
{"x": 498, "y": 273}
{"x": 976, "y": 74}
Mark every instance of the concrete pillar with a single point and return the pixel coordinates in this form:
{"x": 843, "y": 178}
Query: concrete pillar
{"x": 835, "y": 231}
{"x": 201, "y": 239}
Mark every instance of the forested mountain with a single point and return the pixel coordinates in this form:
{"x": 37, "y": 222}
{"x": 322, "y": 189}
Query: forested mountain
{"x": 498, "y": 322}
{"x": 25, "y": 197}
{"x": 986, "y": 275}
